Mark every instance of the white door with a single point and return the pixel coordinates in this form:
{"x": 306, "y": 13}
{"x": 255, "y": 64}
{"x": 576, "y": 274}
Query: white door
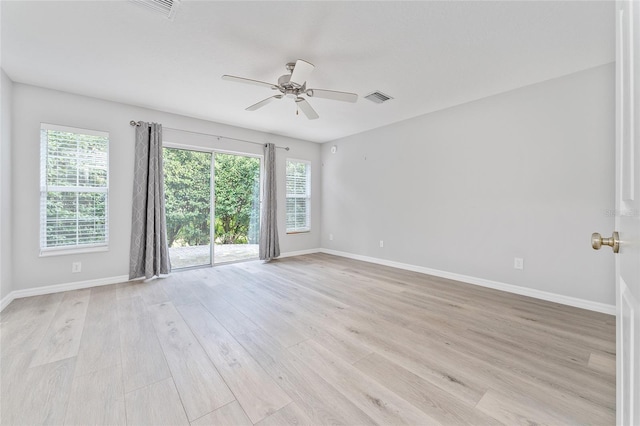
{"x": 627, "y": 221}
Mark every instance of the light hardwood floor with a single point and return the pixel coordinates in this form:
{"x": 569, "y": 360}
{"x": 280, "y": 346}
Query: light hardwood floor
{"x": 312, "y": 339}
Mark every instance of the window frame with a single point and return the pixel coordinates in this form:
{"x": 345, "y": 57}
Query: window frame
{"x": 45, "y": 189}
{"x": 306, "y": 196}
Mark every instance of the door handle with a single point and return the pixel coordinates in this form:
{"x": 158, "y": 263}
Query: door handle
{"x": 597, "y": 241}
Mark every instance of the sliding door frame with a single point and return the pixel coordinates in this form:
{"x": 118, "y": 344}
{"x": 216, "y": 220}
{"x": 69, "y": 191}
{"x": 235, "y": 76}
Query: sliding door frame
{"x": 212, "y": 191}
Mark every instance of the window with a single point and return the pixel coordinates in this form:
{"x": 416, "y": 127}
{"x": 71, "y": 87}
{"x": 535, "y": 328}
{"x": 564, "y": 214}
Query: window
{"x": 298, "y": 196}
{"x": 74, "y": 189}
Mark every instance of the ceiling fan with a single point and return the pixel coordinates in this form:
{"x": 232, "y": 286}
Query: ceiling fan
{"x": 294, "y": 86}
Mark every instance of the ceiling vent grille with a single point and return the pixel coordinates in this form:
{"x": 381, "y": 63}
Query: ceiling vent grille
{"x": 378, "y": 97}
{"x": 166, "y": 8}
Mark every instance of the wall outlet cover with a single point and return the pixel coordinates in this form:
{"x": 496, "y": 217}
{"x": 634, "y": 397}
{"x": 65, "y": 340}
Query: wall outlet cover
{"x": 518, "y": 263}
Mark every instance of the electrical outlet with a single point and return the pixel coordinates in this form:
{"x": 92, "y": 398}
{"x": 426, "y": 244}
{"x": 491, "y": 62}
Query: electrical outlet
{"x": 330, "y": 237}
{"x": 381, "y": 243}
{"x": 518, "y": 263}
{"x": 76, "y": 267}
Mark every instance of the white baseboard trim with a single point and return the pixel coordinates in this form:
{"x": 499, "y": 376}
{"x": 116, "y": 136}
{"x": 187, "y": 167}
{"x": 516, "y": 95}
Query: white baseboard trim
{"x": 4, "y": 302}
{"x": 299, "y": 253}
{"x": 510, "y": 288}
{"x": 56, "y": 288}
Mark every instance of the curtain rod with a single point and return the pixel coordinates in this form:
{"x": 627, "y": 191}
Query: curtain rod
{"x": 137, "y": 124}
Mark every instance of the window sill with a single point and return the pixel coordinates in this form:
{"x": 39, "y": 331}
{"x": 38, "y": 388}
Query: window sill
{"x": 75, "y": 250}
{"x": 298, "y": 232}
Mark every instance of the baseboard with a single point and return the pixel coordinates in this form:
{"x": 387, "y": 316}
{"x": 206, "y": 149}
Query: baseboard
{"x": 299, "y": 253}
{"x": 510, "y": 288}
{"x": 56, "y": 288}
{"x": 4, "y": 302}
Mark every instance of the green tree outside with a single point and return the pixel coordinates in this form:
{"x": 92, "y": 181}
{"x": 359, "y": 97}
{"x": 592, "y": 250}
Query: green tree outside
{"x": 237, "y": 190}
{"x": 187, "y": 187}
{"x": 188, "y": 198}
{"x": 75, "y": 161}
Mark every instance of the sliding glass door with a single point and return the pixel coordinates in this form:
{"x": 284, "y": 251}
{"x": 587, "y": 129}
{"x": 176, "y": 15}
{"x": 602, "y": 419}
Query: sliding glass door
{"x": 187, "y": 187}
{"x": 212, "y": 207}
{"x": 237, "y": 207}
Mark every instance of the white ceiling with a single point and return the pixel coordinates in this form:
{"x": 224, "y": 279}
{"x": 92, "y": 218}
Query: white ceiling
{"x": 427, "y": 55}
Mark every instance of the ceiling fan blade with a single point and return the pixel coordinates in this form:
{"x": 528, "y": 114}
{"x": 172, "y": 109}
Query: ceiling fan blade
{"x": 248, "y": 81}
{"x": 301, "y": 72}
{"x": 306, "y": 108}
{"x": 263, "y": 103}
{"x": 332, "y": 94}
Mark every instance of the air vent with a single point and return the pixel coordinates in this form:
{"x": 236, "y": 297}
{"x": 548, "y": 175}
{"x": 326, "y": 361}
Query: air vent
{"x": 378, "y": 97}
{"x": 166, "y": 8}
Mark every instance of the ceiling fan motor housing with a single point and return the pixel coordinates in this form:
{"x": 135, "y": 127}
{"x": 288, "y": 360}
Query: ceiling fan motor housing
{"x": 284, "y": 80}
{"x": 290, "y": 89}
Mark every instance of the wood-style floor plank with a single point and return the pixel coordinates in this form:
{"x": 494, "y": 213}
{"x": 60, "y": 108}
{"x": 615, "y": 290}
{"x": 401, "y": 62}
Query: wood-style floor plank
{"x": 41, "y": 395}
{"x": 100, "y": 344}
{"x": 156, "y": 404}
{"x": 254, "y": 389}
{"x": 267, "y": 318}
{"x": 603, "y": 362}
{"x": 291, "y": 415}
{"x": 62, "y": 339}
{"x": 199, "y": 384}
{"x": 25, "y": 321}
{"x": 143, "y": 361}
{"x": 513, "y": 409}
{"x": 230, "y": 414}
{"x": 439, "y": 404}
{"x": 320, "y": 401}
{"x": 97, "y": 398}
{"x": 26, "y": 307}
{"x": 13, "y": 367}
{"x": 376, "y": 400}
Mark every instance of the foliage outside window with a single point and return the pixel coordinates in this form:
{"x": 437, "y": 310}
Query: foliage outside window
{"x": 187, "y": 188}
{"x": 187, "y": 179}
{"x": 298, "y": 207}
{"x": 74, "y": 189}
{"x": 237, "y": 191}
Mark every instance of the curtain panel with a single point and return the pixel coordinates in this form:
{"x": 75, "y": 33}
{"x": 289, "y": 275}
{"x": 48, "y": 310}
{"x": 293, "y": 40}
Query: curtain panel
{"x": 269, "y": 247}
{"x": 149, "y": 254}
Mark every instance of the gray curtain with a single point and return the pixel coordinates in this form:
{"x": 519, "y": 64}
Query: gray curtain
{"x": 149, "y": 250}
{"x": 269, "y": 246}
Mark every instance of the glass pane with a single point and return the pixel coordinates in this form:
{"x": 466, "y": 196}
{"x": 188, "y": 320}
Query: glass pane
{"x": 76, "y": 159}
{"x": 187, "y": 185}
{"x": 297, "y": 214}
{"x": 61, "y": 224}
{"x": 92, "y": 211}
{"x": 237, "y": 213}
{"x": 297, "y": 186}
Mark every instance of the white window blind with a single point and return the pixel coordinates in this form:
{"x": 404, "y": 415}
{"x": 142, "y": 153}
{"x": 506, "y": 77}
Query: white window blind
{"x": 74, "y": 189}
{"x": 298, "y": 196}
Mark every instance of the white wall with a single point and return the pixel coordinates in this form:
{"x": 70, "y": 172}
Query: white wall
{"x": 6, "y": 95}
{"x": 33, "y": 105}
{"x": 527, "y": 173}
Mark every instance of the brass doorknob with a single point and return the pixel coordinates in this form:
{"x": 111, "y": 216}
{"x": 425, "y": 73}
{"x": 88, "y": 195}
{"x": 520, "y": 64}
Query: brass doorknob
{"x": 597, "y": 241}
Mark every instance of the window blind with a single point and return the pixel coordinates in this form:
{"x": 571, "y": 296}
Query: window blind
{"x": 74, "y": 188}
{"x": 298, "y": 199}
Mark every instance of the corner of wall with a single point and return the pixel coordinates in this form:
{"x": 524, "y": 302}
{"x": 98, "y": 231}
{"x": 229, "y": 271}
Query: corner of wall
{"x": 6, "y": 260}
